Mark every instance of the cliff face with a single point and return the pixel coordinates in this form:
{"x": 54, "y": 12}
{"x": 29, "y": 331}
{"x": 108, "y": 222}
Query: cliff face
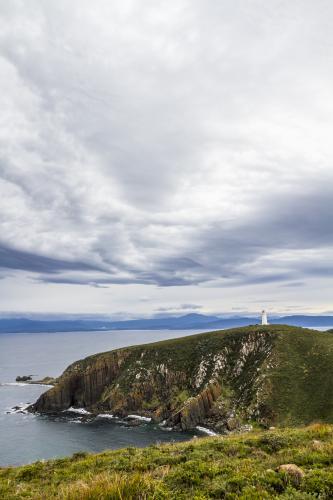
{"x": 218, "y": 379}
{"x": 83, "y": 383}
{"x": 196, "y": 409}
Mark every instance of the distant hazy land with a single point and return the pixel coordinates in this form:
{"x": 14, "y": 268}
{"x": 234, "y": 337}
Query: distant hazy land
{"x": 189, "y": 321}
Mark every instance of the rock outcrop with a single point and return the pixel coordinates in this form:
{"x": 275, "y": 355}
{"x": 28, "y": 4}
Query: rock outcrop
{"x": 83, "y": 383}
{"x": 196, "y": 409}
{"x": 23, "y": 378}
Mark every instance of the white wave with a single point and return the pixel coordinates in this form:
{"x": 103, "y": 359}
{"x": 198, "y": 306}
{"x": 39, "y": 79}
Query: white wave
{"x": 41, "y": 385}
{"x": 164, "y": 427}
{"x": 20, "y": 408}
{"x": 139, "y": 417}
{"x": 106, "y": 415}
{"x": 206, "y": 431}
{"x": 21, "y": 384}
{"x": 14, "y": 383}
{"x": 81, "y": 411}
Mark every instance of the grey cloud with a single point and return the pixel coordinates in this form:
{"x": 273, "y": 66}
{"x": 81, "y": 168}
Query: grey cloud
{"x": 286, "y": 239}
{"x": 17, "y": 259}
{"x": 182, "y": 307}
{"x": 232, "y": 254}
{"x": 137, "y": 278}
{"x": 166, "y": 144}
{"x": 293, "y": 284}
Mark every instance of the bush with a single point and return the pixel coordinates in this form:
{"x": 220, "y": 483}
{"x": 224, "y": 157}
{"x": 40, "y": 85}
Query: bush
{"x": 273, "y": 442}
{"x": 110, "y": 487}
{"x": 79, "y": 454}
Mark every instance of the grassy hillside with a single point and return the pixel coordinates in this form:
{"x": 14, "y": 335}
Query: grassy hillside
{"x": 302, "y": 377}
{"x": 242, "y": 467}
{"x": 277, "y": 374}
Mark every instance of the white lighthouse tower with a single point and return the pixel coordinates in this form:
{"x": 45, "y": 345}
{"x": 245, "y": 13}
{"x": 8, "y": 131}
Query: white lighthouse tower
{"x": 264, "y": 318}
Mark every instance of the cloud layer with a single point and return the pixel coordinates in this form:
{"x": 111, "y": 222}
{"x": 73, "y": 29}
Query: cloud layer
{"x": 168, "y": 143}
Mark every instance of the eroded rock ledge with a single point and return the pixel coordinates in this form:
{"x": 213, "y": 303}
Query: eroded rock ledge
{"x": 196, "y": 409}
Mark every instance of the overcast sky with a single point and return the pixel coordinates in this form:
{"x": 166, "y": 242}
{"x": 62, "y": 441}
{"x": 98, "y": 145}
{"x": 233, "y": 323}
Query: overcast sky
{"x": 166, "y": 156}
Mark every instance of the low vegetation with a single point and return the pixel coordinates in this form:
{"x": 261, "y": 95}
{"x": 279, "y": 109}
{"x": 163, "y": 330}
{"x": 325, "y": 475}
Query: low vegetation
{"x": 245, "y": 466}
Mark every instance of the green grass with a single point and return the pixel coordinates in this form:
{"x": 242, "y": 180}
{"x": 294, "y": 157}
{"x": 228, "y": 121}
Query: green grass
{"x": 242, "y": 466}
{"x": 301, "y": 382}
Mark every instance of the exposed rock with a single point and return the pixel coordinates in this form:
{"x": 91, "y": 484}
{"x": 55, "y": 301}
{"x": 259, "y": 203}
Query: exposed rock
{"x": 196, "y": 408}
{"x": 292, "y": 472}
{"x": 220, "y": 426}
{"x": 317, "y": 445}
{"x": 23, "y": 378}
{"x": 45, "y": 381}
{"x": 232, "y": 423}
{"x": 246, "y": 428}
{"x": 82, "y": 384}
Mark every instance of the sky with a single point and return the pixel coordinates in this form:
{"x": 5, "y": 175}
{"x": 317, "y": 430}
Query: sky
{"x": 166, "y": 157}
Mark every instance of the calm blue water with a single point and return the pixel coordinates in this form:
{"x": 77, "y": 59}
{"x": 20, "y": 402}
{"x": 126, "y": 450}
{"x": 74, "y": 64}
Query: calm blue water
{"x": 25, "y": 438}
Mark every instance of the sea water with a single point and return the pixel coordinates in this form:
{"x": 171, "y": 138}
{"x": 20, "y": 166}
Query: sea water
{"x": 24, "y": 437}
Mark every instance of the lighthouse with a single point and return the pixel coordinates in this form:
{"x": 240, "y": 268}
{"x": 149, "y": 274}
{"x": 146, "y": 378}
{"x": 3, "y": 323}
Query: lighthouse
{"x": 264, "y": 318}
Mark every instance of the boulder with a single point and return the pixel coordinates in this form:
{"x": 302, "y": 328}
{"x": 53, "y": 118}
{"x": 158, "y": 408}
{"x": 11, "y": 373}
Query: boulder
{"x": 317, "y": 445}
{"x": 232, "y": 423}
{"x": 292, "y": 473}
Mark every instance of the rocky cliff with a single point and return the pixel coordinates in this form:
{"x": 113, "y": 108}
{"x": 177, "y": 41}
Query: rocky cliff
{"x": 221, "y": 379}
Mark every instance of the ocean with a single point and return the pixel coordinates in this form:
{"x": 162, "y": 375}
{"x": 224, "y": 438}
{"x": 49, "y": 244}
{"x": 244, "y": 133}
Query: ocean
{"x": 25, "y": 438}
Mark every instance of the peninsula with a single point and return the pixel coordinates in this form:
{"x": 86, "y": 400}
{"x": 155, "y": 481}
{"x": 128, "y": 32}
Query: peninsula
{"x": 272, "y": 375}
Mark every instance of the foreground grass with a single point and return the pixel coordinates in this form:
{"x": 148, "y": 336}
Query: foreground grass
{"x": 241, "y": 467}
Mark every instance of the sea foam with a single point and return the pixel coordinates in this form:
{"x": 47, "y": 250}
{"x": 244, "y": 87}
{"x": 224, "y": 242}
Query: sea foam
{"x": 206, "y": 431}
{"x": 139, "y": 417}
{"x": 81, "y": 411}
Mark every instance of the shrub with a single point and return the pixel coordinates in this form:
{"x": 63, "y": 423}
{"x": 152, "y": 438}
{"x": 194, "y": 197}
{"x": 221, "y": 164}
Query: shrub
{"x": 111, "y": 487}
{"x": 273, "y": 442}
{"x": 79, "y": 454}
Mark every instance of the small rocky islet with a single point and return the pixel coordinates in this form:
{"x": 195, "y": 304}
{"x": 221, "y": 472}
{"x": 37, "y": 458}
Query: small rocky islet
{"x": 29, "y": 380}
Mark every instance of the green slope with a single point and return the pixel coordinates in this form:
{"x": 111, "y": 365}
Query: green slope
{"x": 302, "y": 379}
{"x": 234, "y": 467}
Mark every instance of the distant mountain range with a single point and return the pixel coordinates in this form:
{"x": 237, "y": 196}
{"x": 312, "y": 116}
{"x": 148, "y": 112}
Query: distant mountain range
{"x": 187, "y": 322}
